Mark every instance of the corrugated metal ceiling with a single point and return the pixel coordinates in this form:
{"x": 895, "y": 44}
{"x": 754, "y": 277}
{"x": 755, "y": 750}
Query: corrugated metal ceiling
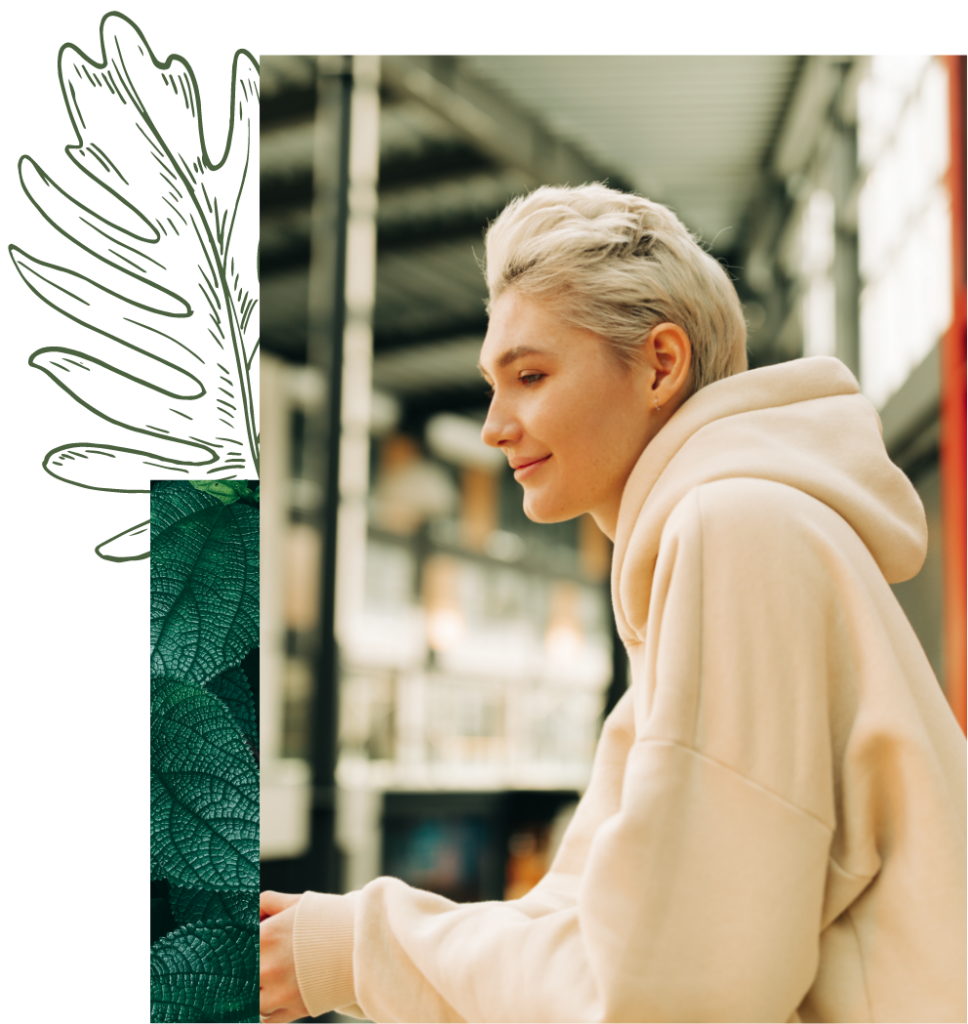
{"x": 691, "y": 132}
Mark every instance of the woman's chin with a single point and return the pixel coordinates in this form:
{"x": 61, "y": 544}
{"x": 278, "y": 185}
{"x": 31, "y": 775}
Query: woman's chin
{"x": 539, "y": 511}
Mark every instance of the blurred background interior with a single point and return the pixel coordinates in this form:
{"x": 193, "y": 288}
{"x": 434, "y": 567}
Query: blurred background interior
{"x": 435, "y": 667}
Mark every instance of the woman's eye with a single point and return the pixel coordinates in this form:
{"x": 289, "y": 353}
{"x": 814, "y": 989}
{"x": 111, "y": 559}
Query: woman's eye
{"x": 527, "y": 379}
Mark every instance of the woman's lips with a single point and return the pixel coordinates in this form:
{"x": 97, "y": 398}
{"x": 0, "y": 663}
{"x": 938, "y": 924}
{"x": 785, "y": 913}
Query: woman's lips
{"x": 527, "y": 468}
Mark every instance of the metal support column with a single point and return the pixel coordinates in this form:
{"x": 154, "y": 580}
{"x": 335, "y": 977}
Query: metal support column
{"x": 327, "y": 315}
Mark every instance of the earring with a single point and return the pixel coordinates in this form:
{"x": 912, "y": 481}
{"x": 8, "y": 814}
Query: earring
{"x": 658, "y": 408}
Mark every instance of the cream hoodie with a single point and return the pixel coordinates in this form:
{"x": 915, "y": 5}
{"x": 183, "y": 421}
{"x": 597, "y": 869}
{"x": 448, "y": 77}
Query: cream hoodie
{"x": 775, "y": 825}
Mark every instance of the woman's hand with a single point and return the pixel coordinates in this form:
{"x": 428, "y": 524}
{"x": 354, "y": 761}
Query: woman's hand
{"x": 279, "y": 998}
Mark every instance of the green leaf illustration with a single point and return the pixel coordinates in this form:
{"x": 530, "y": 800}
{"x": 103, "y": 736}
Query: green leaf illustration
{"x": 204, "y": 792}
{"x": 204, "y": 583}
{"x": 170, "y": 300}
{"x": 232, "y": 688}
{"x": 205, "y": 973}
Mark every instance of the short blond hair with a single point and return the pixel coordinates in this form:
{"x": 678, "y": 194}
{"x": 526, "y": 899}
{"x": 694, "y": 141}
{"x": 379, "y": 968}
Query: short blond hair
{"x": 618, "y": 264}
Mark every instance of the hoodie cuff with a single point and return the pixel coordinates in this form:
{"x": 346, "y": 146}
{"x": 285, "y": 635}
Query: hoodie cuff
{"x": 322, "y": 950}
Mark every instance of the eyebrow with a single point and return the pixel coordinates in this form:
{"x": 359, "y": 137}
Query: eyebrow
{"x": 513, "y": 354}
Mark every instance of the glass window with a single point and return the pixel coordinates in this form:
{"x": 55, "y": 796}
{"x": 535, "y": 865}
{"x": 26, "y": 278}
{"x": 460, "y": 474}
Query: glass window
{"x": 904, "y": 218}
{"x": 817, "y": 242}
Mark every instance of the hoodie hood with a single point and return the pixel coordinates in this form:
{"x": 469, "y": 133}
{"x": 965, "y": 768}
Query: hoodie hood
{"x": 803, "y": 423}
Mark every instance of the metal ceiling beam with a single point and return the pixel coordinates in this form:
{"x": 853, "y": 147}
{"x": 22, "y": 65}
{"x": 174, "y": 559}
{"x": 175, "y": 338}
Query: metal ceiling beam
{"x": 292, "y": 249}
{"x": 467, "y": 224}
{"x": 287, "y": 160}
{"x": 448, "y": 329}
{"x": 295, "y": 254}
{"x": 286, "y": 193}
{"x": 817, "y": 84}
{"x": 436, "y": 160}
{"x": 417, "y": 409}
{"x": 292, "y": 104}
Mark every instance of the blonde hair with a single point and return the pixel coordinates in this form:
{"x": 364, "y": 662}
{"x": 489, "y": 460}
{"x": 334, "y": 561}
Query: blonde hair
{"x": 618, "y": 264}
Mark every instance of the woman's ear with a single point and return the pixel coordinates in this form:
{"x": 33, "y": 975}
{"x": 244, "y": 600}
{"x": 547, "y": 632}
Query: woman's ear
{"x": 668, "y": 352}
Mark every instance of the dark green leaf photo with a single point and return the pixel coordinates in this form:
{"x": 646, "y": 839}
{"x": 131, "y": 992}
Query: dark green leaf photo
{"x": 204, "y": 751}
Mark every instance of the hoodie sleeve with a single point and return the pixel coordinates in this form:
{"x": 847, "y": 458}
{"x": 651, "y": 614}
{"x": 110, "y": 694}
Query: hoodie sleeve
{"x": 694, "y": 892}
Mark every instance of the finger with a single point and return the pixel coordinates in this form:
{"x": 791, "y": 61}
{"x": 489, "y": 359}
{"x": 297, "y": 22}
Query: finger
{"x": 272, "y": 994}
{"x": 274, "y": 902}
{"x": 280, "y": 1015}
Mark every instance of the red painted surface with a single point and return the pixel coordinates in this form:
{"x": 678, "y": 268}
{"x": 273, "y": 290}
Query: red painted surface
{"x": 953, "y": 424}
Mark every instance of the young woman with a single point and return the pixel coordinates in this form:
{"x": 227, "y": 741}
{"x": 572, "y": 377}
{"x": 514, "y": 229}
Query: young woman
{"x": 775, "y": 825}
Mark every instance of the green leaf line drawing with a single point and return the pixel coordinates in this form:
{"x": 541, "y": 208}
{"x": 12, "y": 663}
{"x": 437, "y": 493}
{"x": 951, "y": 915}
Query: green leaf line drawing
{"x": 170, "y": 351}
{"x": 204, "y": 743}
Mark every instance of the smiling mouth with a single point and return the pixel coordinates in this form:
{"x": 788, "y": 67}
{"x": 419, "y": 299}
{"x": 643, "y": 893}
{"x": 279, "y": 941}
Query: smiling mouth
{"x": 527, "y": 468}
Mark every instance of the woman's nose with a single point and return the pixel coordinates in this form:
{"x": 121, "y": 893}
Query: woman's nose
{"x": 500, "y": 426}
